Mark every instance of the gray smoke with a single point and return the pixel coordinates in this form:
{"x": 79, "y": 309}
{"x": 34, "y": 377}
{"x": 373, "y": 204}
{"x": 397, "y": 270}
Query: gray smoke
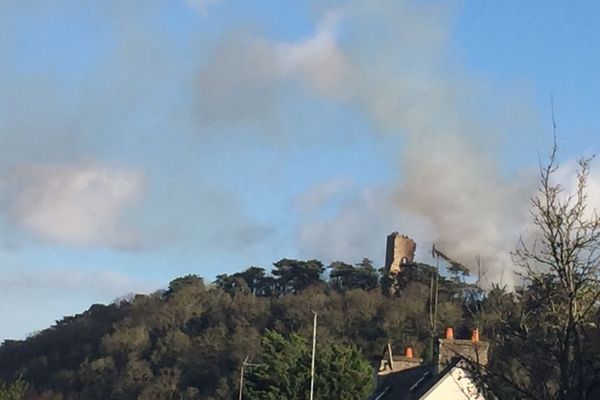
{"x": 389, "y": 59}
{"x": 401, "y": 71}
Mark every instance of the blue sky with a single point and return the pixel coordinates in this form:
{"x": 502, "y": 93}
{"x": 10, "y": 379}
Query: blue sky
{"x": 145, "y": 140}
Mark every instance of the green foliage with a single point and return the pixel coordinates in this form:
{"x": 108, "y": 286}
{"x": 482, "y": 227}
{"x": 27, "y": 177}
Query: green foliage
{"x": 284, "y": 373}
{"x": 189, "y": 341}
{"x": 179, "y": 284}
{"x": 362, "y": 276}
{"x": 13, "y": 391}
{"x": 285, "y": 369}
{"x": 342, "y": 373}
{"x": 296, "y": 275}
{"x": 457, "y": 270}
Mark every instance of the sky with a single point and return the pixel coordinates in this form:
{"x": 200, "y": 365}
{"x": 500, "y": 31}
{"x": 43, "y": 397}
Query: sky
{"x": 145, "y": 140}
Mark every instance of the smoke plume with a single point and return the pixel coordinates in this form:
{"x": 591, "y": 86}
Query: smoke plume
{"x": 401, "y": 71}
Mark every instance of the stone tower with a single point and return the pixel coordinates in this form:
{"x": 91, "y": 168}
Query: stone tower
{"x": 400, "y": 251}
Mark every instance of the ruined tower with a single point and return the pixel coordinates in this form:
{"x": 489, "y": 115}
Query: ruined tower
{"x": 400, "y": 251}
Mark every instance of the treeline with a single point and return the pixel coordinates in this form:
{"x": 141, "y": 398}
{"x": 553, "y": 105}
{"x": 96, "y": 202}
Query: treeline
{"x": 189, "y": 341}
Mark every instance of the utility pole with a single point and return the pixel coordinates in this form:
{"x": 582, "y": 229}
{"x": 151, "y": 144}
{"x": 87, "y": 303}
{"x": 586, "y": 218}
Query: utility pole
{"x": 433, "y": 295}
{"x": 242, "y": 376}
{"x": 312, "y": 367}
{"x": 245, "y": 363}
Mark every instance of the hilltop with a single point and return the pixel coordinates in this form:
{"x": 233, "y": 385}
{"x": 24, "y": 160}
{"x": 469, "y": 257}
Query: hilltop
{"x": 191, "y": 339}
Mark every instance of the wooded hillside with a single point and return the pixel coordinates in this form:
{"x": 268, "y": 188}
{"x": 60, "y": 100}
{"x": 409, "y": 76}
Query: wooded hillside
{"x": 189, "y": 340}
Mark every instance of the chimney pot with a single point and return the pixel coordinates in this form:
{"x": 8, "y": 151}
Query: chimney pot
{"x": 449, "y": 333}
{"x": 475, "y": 335}
{"x": 408, "y": 352}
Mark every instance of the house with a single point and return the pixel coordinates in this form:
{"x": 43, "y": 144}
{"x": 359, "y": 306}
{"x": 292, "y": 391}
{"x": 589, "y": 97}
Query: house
{"x": 446, "y": 378}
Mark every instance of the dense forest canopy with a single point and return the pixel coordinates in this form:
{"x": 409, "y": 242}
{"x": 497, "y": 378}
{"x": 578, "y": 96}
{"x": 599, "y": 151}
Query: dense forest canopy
{"x": 189, "y": 341}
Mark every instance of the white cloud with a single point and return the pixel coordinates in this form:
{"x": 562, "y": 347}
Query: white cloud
{"x": 566, "y": 176}
{"x": 244, "y": 81}
{"x": 318, "y": 60}
{"x": 594, "y": 189}
{"x": 74, "y": 204}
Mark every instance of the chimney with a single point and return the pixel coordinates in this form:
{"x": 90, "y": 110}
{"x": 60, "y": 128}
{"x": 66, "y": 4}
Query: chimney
{"x": 475, "y": 335}
{"x": 390, "y": 363}
{"x": 471, "y": 349}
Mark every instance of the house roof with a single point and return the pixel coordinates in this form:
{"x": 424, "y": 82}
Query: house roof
{"x": 412, "y": 383}
{"x": 400, "y": 357}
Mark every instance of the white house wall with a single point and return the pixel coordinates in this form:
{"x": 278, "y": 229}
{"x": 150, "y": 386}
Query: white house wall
{"x": 456, "y": 385}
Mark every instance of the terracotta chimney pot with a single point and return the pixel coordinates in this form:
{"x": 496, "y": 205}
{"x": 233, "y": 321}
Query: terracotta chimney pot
{"x": 449, "y": 333}
{"x": 408, "y": 352}
{"x": 475, "y": 335}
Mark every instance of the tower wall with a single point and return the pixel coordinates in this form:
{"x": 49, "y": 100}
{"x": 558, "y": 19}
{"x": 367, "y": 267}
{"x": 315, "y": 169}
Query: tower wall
{"x": 400, "y": 250}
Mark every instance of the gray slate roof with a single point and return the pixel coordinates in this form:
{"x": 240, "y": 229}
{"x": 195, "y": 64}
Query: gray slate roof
{"x": 410, "y": 384}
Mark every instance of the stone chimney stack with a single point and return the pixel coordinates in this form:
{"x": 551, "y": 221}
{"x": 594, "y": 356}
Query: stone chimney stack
{"x": 400, "y": 251}
{"x": 391, "y": 363}
{"x": 472, "y": 349}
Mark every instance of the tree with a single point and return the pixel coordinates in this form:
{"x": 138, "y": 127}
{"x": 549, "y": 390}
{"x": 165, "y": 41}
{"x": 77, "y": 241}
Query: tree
{"x": 342, "y": 373}
{"x": 362, "y": 276}
{"x": 231, "y": 283}
{"x": 253, "y": 279}
{"x": 340, "y": 275}
{"x": 295, "y": 275}
{"x": 185, "y": 281}
{"x": 284, "y": 372}
{"x": 550, "y": 332}
{"x": 285, "y": 369}
{"x": 13, "y": 391}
